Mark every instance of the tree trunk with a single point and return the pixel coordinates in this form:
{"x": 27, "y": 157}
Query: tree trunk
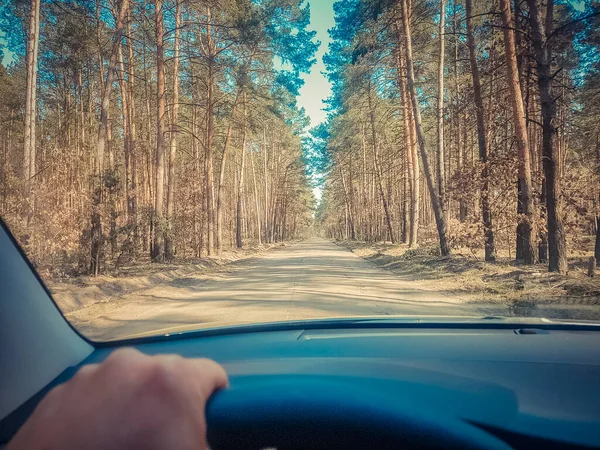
{"x": 441, "y": 172}
{"x": 352, "y": 203}
{"x": 240, "y": 200}
{"x": 29, "y": 145}
{"x": 238, "y": 96}
{"x": 440, "y": 217}
{"x": 597, "y": 248}
{"x": 525, "y": 229}
{"x": 169, "y": 252}
{"x": 378, "y": 174}
{"x": 147, "y": 157}
{"x": 132, "y": 136}
{"x": 226, "y": 145}
{"x": 412, "y": 161}
{"x": 210, "y": 134}
{"x": 557, "y": 246}
{"x": 350, "y": 232}
{"x": 415, "y": 212}
{"x": 406, "y": 190}
{"x": 256, "y": 199}
{"x": 125, "y": 110}
{"x": 265, "y": 165}
{"x": 490, "y": 249}
{"x": 462, "y": 204}
{"x": 158, "y": 254}
{"x": 197, "y": 198}
{"x": 103, "y": 135}
{"x": 96, "y": 231}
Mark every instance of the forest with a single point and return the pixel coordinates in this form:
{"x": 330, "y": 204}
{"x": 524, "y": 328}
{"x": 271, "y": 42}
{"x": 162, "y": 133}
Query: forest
{"x": 165, "y": 129}
{"x": 170, "y": 129}
{"x": 469, "y": 125}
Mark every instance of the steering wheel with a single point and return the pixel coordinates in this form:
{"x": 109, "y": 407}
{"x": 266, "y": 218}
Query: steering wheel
{"x": 315, "y": 412}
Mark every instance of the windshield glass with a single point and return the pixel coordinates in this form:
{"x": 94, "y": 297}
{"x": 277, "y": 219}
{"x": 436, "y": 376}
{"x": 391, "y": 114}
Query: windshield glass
{"x": 185, "y": 164}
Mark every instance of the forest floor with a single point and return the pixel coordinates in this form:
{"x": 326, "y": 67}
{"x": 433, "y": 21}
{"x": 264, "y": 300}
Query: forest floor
{"x": 523, "y": 290}
{"x": 79, "y": 292}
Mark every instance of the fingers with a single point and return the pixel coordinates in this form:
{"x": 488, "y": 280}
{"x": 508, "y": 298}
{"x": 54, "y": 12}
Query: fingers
{"x": 126, "y": 356}
{"x": 208, "y": 373}
{"x": 205, "y": 374}
{"x": 213, "y": 375}
{"x": 85, "y": 371}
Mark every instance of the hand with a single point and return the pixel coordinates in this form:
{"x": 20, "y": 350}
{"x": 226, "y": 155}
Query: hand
{"x": 130, "y": 401}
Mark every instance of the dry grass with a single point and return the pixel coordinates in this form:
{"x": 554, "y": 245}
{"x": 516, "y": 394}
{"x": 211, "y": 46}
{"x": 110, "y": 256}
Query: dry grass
{"x": 523, "y": 289}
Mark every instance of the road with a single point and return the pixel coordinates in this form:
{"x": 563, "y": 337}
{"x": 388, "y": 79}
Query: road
{"x": 312, "y": 279}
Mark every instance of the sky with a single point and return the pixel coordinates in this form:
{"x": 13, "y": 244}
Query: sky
{"x": 316, "y": 87}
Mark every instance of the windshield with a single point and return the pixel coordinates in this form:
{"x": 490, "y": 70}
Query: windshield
{"x": 186, "y": 164}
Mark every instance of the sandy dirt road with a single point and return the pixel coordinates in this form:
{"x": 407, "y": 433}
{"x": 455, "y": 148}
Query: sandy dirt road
{"x": 312, "y": 279}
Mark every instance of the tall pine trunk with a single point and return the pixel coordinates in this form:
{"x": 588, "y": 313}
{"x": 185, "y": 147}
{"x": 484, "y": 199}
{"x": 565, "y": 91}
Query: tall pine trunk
{"x": 490, "y": 249}
{"x": 103, "y": 135}
{"x": 239, "y": 218}
{"x": 29, "y": 144}
{"x": 169, "y": 251}
{"x": 412, "y": 160}
{"x": 133, "y": 200}
{"x": 376, "y": 162}
{"x": 462, "y": 204}
{"x": 597, "y": 247}
{"x": 441, "y": 170}
{"x": 256, "y": 199}
{"x": 266, "y": 179}
{"x": 525, "y": 228}
{"x": 125, "y": 110}
{"x": 557, "y": 246}
{"x": 158, "y": 254}
{"x": 415, "y": 208}
{"x": 440, "y": 217}
{"x": 220, "y": 185}
{"x": 350, "y": 230}
{"x": 210, "y": 135}
{"x": 220, "y": 188}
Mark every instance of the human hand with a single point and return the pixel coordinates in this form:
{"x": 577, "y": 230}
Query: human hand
{"x": 130, "y": 401}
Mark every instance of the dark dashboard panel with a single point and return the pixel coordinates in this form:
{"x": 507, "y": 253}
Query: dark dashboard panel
{"x": 544, "y": 384}
{"x": 527, "y": 388}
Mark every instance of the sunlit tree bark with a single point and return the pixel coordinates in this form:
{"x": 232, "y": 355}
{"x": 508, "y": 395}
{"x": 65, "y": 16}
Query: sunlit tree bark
{"x": 103, "y": 136}
{"x": 29, "y": 144}
{"x": 525, "y": 229}
{"x": 412, "y": 90}
{"x": 169, "y": 251}
{"x": 158, "y": 250}
{"x": 441, "y": 158}
{"x": 557, "y": 246}
{"x": 490, "y": 248}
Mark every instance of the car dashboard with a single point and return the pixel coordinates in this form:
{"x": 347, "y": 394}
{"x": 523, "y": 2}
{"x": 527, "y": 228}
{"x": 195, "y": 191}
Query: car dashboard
{"x": 527, "y": 386}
